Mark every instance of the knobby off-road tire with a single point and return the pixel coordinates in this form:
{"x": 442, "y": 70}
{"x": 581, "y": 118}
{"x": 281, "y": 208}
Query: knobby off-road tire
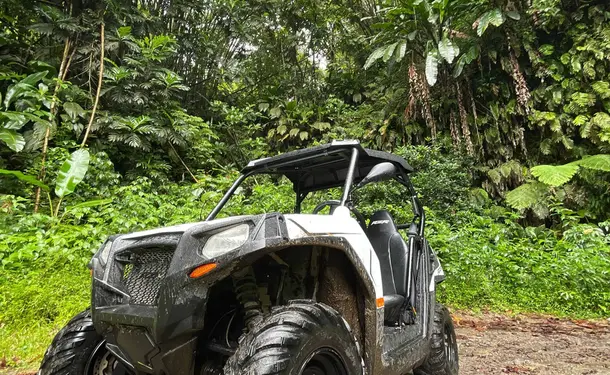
{"x": 301, "y": 338}
{"x": 443, "y": 357}
{"x": 72, "y": 349}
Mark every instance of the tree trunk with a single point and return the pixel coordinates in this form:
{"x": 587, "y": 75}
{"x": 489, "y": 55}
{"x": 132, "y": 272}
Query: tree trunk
{"x": 61, "y": 75}
{"x": 99, "y": 86}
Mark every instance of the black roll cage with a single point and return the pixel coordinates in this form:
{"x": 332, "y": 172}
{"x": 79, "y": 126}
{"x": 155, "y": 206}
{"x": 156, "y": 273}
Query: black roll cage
{"x": 401, "y": 177}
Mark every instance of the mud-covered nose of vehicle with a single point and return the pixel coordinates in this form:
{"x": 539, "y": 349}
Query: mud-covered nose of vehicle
{"x": 144, "y": 297}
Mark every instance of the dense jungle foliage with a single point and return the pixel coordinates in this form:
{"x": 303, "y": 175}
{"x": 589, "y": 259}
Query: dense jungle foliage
{"x": 121, "y": 115}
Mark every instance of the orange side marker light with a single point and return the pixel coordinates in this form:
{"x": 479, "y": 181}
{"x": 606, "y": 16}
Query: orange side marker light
{"x": 202, "y": 270}
{"x": 380, "y": 302}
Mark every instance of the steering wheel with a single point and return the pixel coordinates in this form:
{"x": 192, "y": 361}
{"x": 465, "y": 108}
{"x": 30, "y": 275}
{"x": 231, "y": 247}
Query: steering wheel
{"x": 334, "y": 204}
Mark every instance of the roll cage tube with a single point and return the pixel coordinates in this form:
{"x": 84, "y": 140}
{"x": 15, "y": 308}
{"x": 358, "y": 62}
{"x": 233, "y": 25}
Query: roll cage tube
{"x": 349, "y": 179}
{"x": 418, "y": 210}
{"x": 227, "y": 196}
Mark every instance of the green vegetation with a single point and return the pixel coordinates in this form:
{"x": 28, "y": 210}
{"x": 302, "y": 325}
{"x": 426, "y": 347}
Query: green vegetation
{"x": 121, "y": 115}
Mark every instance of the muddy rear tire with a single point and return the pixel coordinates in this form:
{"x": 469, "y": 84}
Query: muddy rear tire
{"x": 443, "y": 357}
{"x": 301, "y": 338}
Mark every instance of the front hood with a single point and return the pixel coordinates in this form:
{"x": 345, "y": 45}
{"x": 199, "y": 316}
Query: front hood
{"x": 181, "y": 228}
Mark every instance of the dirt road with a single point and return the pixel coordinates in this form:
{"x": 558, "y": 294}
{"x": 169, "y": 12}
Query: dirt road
{"x": 495, "y": 344}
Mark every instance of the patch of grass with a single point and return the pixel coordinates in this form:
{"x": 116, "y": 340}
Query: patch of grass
{"x": 34, "y": 306}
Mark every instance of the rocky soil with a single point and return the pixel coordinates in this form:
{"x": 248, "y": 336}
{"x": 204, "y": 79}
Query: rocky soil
{"x": 495, "y": 344}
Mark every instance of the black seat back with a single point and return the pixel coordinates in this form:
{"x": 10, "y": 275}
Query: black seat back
{"x": 391, "y": 250}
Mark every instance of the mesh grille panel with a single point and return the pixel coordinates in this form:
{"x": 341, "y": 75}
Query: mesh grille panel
{"x": 144, "y": 274}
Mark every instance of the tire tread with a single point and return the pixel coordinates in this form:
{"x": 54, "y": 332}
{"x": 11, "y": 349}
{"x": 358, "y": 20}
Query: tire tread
{"x": 436, "y": 363}
{"x": 71, "y": 347}
{"x": 268, "y": 349}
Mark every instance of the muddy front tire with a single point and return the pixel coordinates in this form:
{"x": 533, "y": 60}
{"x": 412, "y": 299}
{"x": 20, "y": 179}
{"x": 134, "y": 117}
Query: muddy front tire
{"x": 302, "y": 338}
{"x": 443, "y": 357}
{"x": 75, "y": 349}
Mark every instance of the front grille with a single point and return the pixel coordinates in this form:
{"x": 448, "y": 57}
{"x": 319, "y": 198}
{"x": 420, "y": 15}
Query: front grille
{"x": 144, "y": 272}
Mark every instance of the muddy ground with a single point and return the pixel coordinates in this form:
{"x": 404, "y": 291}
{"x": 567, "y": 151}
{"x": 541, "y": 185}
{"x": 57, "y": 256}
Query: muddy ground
{"x": 526, "y": 345}
{"x": 495, "y": 344}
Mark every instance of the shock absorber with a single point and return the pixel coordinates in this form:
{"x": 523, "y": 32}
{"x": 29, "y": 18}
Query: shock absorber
{"x": 244, "y": 283}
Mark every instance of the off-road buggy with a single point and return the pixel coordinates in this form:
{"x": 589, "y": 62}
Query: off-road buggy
{"x": 298, "y": 294}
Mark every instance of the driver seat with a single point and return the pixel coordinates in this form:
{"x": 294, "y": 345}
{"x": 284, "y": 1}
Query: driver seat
{"x": 392, "y": 252}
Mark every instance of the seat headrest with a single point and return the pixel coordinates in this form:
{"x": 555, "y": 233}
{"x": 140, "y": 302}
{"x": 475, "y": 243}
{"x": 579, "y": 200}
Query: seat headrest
{"x": 382, "y": 222}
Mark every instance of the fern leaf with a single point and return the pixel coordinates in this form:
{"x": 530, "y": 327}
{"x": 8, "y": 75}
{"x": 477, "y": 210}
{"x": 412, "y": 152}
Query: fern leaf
{"x": 555, "y": 175}
{"x": 526, "y": 195}
{"x": 599, "y": 162}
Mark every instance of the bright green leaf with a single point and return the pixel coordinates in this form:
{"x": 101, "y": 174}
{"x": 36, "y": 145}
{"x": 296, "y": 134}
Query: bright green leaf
{"x": 601, "y": 88}
{"x": 275, "y": 112}
{"x": 320, "y": 125}
{"x": 14, "y": 120}
{"x": 493, "y": 17}
{"x": 389, "y": 51}
{"x": 25, "y": 178}
{"x": 581, "y": 120}
{"x": 432, "y": 67}
{"x": 74, "y": 110}
{"x": 459, "y": 66}
{"x": 599, "y": 162}
{"x": 376, "y": 55}
{"x": 555, "y": 175}
{"x": 401, "y": 50}
{"x": 72, "y": 172}
{"x": 281, "y": 130}
{"x": 472, "y": 54}
{"x": 92, "y": 203}
{"x": 13, "y": 140}
{"x": 547, "y": 49}
{"x": 32, "y": 79}
{"x": 291, "y": 105}
{"x": 526, "y": 195}
{"x": 293, "y": 132}
{"x": 16, "y": 91}
{"x": 124, "y": 31}
{"x": 447, "y": 50}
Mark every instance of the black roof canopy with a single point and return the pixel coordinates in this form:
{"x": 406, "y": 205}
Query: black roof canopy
{"x": 324, "y": 166}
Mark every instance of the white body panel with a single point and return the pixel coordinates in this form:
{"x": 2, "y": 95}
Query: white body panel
{"x": 339, "y": 224}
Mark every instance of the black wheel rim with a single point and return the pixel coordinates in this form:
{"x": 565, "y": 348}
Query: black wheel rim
{"x": 450, "y": 343}
{"x": 324, "y": 361}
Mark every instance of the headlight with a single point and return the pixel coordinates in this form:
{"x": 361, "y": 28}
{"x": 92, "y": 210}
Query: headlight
{"x": 225, "y": 241}
{"x": 105, "y": 252}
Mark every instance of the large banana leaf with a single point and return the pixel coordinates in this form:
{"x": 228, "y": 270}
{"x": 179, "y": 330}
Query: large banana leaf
{"x": 72, "y": 172}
